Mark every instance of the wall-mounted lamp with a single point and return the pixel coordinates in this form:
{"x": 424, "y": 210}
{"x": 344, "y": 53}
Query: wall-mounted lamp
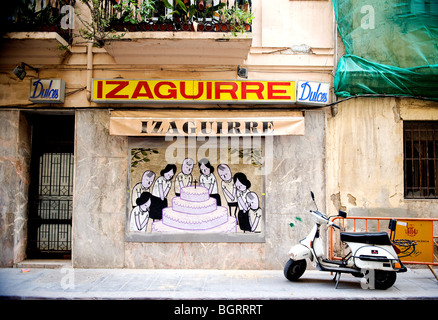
{"x": 20, "y": 70}
{"x": 242, "y": 72}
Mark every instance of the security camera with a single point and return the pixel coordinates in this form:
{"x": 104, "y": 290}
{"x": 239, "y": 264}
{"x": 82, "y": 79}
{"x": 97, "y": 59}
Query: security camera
{"x": 242, "y": 72}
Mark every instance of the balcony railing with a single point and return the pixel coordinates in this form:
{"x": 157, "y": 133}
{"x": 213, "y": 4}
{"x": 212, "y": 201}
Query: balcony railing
{"x": 180, "y": 15}
{"x": 35, "y": 15}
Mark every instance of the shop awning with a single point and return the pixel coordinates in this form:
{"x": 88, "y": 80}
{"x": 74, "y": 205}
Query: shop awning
{"x": 206, "y": 123}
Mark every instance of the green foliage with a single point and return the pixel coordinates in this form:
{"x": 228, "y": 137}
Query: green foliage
{"x": 140, "y": 155}
{"x": 131, "y": 12}
{"x": 239, "y": 18}
{"x": 99, "y": 29}
{"x": 96, "y": 30}
{"x": 250, "y": 155}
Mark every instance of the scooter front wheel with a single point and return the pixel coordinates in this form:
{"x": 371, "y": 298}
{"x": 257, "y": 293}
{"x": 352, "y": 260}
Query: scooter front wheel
{"x": 294, "y": 269}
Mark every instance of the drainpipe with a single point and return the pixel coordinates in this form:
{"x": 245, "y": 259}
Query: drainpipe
{"x": 89, "y": 69}
{"x": 334, "y": 109}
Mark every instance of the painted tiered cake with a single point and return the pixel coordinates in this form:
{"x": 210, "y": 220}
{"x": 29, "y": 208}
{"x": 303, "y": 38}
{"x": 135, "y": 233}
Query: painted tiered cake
{"x": 195, "y": 211}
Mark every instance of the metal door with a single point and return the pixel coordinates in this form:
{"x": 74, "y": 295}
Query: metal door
{"x": 51, "y": 192}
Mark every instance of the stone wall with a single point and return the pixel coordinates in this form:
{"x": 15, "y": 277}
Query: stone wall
{"x": 100, "y": 203}
{"x": 99, "y": 193}
{"x": 14, "y": 176}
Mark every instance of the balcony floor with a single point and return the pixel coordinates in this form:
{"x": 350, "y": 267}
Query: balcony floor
{"x": 184, "y": 48}
{"x": 34, "y": 48}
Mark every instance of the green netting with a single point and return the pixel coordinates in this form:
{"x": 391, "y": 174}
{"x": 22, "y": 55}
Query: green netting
{"x": 391, "y": 46}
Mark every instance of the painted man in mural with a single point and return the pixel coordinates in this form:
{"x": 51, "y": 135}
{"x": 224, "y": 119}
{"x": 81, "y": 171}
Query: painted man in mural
{"x": 184, "y": 178}
{"x": 228, "y": 187}
{"x": 143, "y": 186}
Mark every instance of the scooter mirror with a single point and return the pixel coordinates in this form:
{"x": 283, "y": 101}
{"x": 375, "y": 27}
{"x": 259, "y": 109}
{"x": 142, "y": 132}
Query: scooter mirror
{"x": 342, "y": 214}
{"x": 313, "y": 199}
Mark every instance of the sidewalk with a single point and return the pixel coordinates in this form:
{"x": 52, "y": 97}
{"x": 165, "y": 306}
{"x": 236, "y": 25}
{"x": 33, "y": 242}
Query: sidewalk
{"x": 128, "y": 284}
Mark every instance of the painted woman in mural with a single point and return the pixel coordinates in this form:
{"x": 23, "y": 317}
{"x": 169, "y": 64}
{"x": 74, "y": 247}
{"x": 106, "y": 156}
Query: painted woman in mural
{"x": 140, "y": 214}
{"x": 242, "y": 185}
{"x": 144, "y": 186}
{"x": 160, "y": 190}
{"x": 184, "y": 178}
{"x": 208, "y": 180}
{"x": 228, "y": 187}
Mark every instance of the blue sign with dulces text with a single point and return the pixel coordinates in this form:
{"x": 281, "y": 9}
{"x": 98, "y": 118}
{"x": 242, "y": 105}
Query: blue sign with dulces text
{"x": 315, "y": 93}
{"x": 47, "y": 91}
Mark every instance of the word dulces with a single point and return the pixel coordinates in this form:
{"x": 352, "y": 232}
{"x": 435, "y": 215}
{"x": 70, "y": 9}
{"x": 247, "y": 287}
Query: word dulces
{"x": 47, "y": 91}
{"x": 309, "y": 94}
{"x": 192, "y": 90}
{"x": 44, "y": 93}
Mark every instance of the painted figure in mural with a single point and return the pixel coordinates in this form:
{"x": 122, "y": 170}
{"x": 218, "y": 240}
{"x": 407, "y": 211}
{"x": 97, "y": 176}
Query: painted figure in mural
{"x": 254, "y": 212}
{"x": 242, "y": 185}
{"x": 160, "y": 190}
{"x": 184, "y": 178}
{"x": 143, "y": 186}
{"x": 228, "y": 187}
{"x": 208, "y": 180}
{"x": 140, "y": 214}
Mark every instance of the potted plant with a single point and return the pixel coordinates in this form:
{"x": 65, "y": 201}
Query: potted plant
{"x": 175, "y": 15}
{"x": 243, "y": 20}
{"x": 239, "y": 19}
{"x": 146, "y": 11}
{"x": 210, "y": 16}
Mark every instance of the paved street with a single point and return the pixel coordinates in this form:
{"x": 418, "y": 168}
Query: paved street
{"x": 122, "y": 284}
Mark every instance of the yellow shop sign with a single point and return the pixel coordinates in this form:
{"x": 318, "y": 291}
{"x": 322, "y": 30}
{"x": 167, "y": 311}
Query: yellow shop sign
{"x": 189, "y": 91}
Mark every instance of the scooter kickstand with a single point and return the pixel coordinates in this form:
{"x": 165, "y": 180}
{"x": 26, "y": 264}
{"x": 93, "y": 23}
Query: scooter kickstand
{"x": 338, "y": 274}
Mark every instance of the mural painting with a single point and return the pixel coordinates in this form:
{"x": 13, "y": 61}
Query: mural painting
{"x": 196, "y": 193}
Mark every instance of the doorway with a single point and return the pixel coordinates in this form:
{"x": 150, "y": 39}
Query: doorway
{"x": 51, "y": 187}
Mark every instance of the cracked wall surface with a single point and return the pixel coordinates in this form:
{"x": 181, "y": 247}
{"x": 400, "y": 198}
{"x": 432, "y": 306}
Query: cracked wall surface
{"x": 365, "y": 157}
{"x": 14, "y": 187}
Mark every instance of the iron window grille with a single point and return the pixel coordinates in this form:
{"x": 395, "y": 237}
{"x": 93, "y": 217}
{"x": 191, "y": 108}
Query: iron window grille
{"x": 420, "y": 140}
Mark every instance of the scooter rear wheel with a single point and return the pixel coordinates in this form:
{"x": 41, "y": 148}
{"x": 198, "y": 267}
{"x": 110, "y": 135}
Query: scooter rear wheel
{"x": 384, "y": 279}
{"x": 294, "y": 269}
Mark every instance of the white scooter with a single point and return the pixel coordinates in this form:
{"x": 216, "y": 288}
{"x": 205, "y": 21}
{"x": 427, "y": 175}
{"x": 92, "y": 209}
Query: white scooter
{"x": 371, "y": 256}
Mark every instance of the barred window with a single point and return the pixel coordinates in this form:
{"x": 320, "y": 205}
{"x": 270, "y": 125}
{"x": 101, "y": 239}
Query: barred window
{"x": 420, "y": 139}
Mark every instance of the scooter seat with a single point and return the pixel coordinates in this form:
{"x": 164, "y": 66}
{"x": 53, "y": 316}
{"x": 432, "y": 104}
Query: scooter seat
{"x": 379, "y": 238}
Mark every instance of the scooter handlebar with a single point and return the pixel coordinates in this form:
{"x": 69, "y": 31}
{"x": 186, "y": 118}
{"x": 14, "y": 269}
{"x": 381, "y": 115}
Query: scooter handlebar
{"x": 331, "y": 224}
{"x": 325, "y": 218}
